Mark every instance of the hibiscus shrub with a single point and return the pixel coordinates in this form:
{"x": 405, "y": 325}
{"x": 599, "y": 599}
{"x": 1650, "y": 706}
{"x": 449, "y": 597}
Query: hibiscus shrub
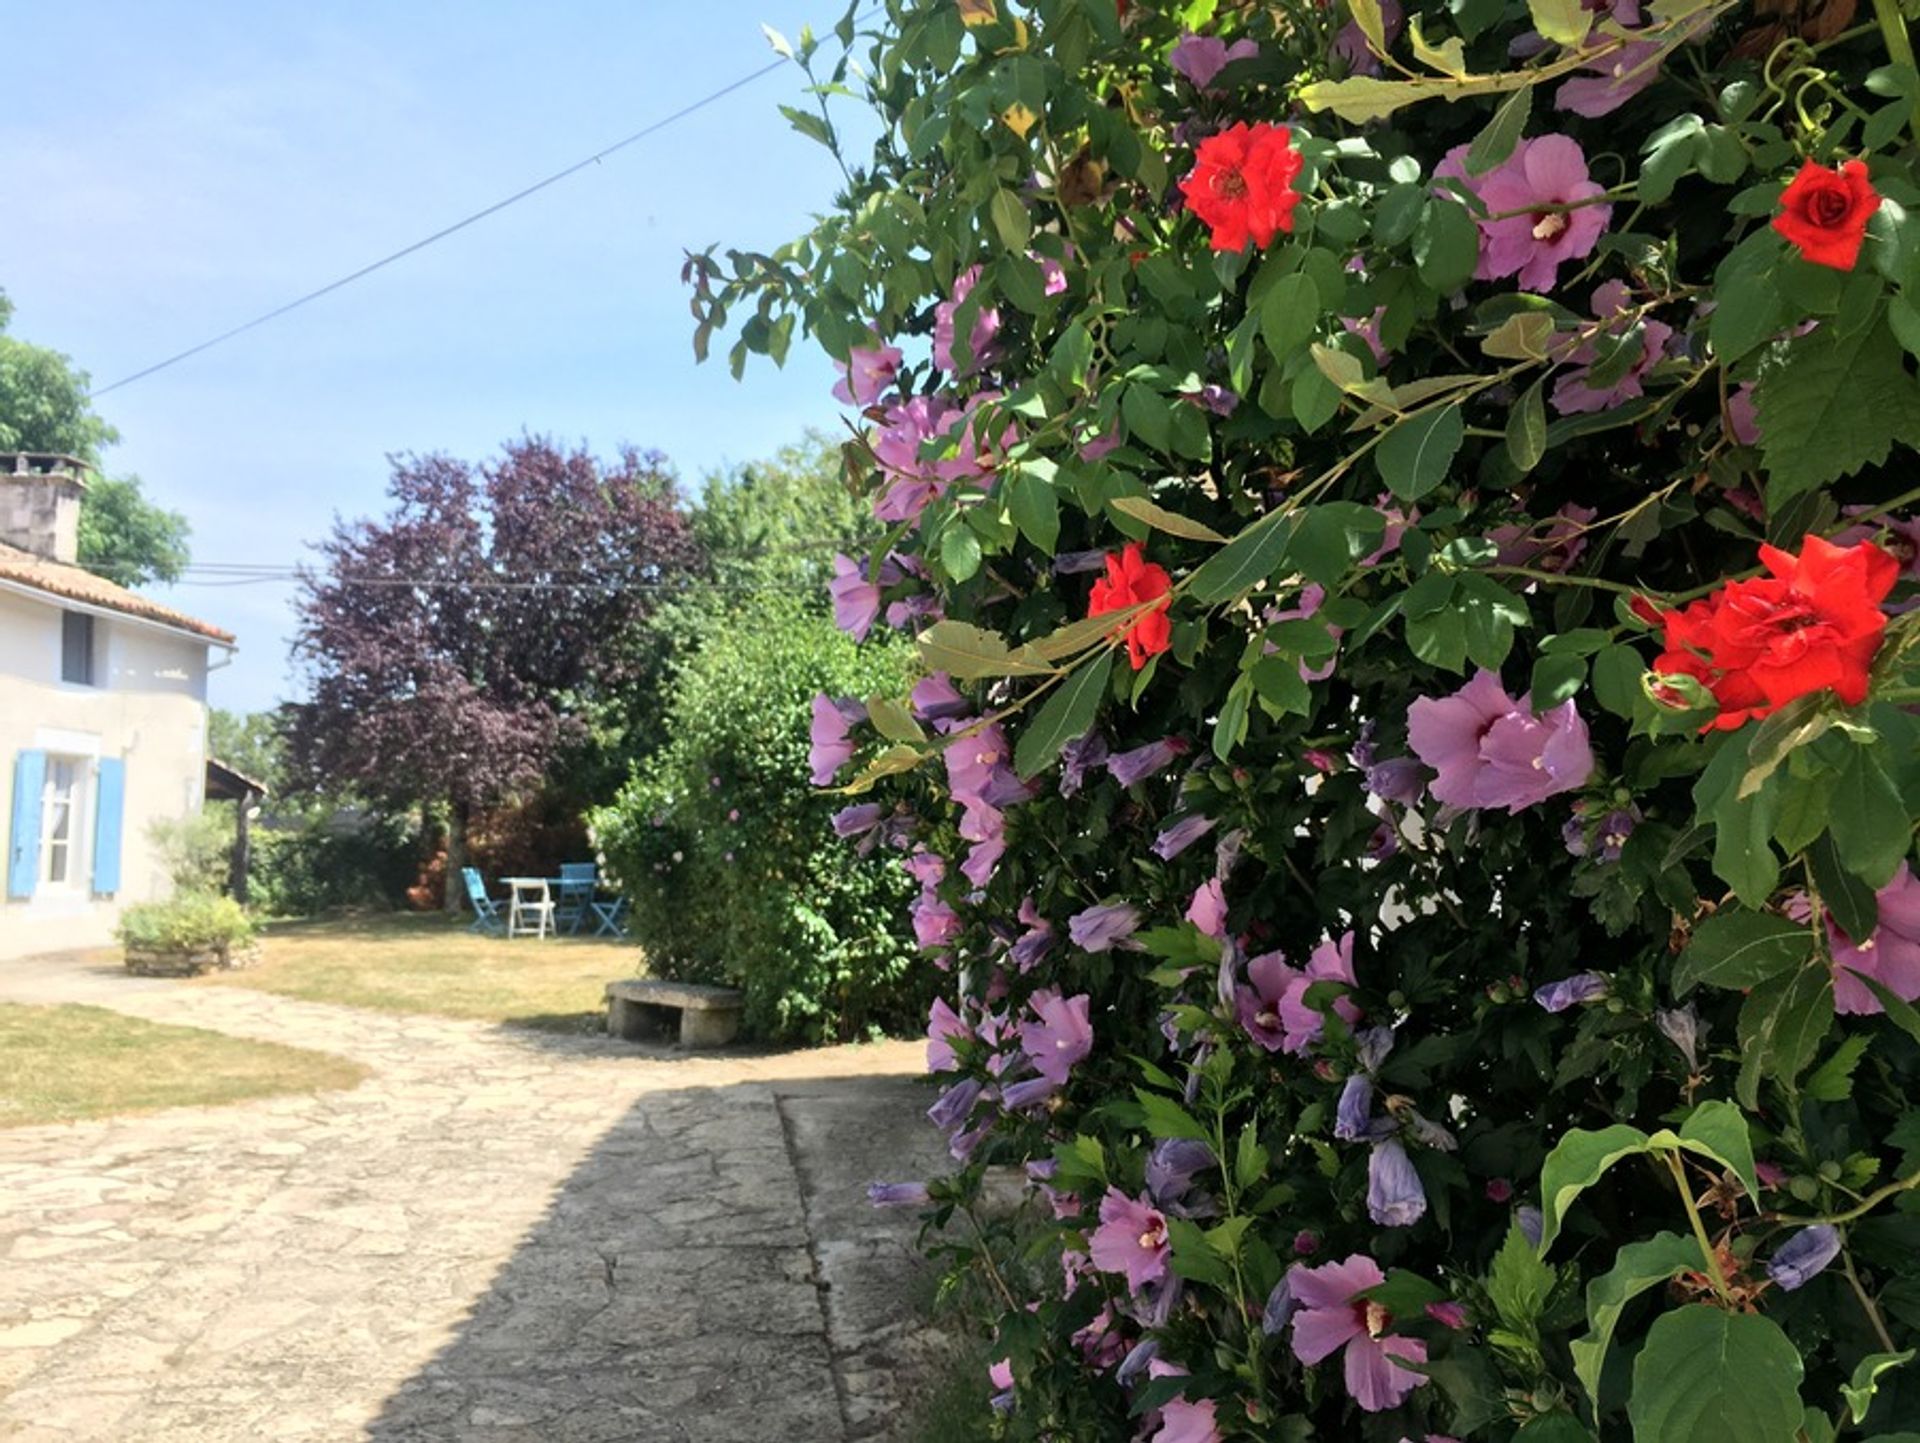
{"x": 1406, "y": 523}
{"x": 726, "y": 852}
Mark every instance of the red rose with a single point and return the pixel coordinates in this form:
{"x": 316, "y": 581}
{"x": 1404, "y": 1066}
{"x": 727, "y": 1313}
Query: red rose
{"x": 1813, "y": 625}
{"x": 1132, "y": 580}
{"x": 1825, "y": 213}
{"x": 1241, "y": 184}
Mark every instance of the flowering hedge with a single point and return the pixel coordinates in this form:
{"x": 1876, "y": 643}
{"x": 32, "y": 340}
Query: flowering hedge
{"x": 1405, "y": 517}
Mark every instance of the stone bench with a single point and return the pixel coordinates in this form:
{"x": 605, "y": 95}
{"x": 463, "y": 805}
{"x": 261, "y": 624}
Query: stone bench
{"x": 695, "y": 1015}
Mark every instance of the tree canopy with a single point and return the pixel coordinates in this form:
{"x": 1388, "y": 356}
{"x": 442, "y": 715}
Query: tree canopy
{"x": 46, "y": 406}
{"x": 452, "y": 645}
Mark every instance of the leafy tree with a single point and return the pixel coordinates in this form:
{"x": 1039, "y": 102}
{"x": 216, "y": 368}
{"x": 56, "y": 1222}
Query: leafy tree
{"x": 249, "y": 742}
{"x": 453, "y": 646}
{"x": 45, "y": 406}
{"x": 126, "y": 538}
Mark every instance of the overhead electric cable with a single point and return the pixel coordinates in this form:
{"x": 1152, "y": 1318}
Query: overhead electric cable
{"x": 442, "y": 234}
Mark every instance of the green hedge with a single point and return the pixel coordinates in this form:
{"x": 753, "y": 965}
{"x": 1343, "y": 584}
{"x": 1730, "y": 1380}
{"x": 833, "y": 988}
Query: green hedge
{"x": 728, "y": 853}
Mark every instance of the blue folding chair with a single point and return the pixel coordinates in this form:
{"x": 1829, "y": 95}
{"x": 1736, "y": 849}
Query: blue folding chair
{"x": 575, "y": 900}
{"x": 486, "y": 911}
{"x": 611, "y": 918}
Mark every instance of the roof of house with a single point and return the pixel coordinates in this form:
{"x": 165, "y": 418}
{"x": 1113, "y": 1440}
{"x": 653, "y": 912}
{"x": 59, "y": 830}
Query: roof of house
{"x": 72, "y": 583}
{"x": 224, "y": 784}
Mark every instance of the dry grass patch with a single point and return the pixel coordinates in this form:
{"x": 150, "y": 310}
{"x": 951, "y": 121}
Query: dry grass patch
{"x": 413, "y": 963}
{"x": 65, "y": 1063}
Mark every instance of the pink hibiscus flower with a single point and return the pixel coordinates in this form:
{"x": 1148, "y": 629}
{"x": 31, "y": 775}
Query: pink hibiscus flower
{"x": 1131, "y": 1239}
{"x": 1333, "y": 1316}
{"x": 1274, "y": 1009}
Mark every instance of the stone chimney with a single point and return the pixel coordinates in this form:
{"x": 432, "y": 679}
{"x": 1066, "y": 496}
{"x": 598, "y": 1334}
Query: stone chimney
{"x": 40, "y": 503}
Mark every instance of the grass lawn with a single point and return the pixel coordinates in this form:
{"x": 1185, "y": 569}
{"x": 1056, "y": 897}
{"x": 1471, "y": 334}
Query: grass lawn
{"x": 418, "y": 963}
{"x": 60, "y": 1064}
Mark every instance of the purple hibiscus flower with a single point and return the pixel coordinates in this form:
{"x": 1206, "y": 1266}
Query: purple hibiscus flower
{"x": 1492, "y": 751}
{"x": 1208, "y": 910}
{"x": 1100, "y": 928}
{"x": 831, "y": 747}
{"x": 980, "y": 338}
{"x": 1890, "y": 955}
{"x": 897, "y": 1194}
{"x": 1274, "y": 1008}
{"x": 1395, "y": 1198}
{"x": 935, "y": 699}
{"x": 866, "y": 373}
{"x": 943, "y": 1025}
{"x": 1131, "y": 1240}
{"x": 856, "y": 600}
{"x": 1542, "y": 209}
{"x": 1332, "y": 1316}
{"x": 1804, "y": 1254}
{"x": 1574, "y": 393}
{"x": 1202, "y": 57}
{"x": 1571, "y": 991}
{"x": 1181, "y": 834}
{"x": 1061, "y": 1036}
{"x": 1130, "y": 768}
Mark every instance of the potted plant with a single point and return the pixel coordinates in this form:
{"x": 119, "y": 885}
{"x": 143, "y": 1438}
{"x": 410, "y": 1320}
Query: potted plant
{"x": 192, "y": 933}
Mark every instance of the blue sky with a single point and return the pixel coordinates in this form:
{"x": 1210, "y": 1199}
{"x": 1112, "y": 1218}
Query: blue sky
{"x": 171, "y": 171}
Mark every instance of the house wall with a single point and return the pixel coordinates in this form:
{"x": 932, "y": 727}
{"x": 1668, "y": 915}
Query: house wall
{"x": 149, "y": 710}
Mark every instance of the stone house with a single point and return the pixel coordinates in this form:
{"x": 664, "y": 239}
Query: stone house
{"x": 103, "y": 721}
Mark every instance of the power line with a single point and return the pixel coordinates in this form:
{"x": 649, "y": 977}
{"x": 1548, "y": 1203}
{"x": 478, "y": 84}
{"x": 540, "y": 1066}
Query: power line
{"x": 442, "y": 234}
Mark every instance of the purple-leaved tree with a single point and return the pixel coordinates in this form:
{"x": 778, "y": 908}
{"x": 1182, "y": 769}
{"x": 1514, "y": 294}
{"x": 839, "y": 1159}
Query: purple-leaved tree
{"x": 450, "y": 646}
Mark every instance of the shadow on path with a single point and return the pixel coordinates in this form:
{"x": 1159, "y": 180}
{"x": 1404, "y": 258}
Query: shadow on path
{"x": 710, "y": 1273}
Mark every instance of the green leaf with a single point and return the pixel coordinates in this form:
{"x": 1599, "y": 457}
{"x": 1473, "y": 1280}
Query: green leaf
{"x": 1249, "y": 1159}
{"x": 1866, "y": 1381}
{"x": 1617, "y": 670}
{"x": 1245, "y": 561}
{"x": 1564, "y": 22}
{"x": 1496, "y": 140}
{"x": 1161, "y": 519}
{"x": 1289, "y": 314}
{"x": 1193, "y": 1257}
{"x": 1738, "y": 949}
{"x": 969, "y": 652}
{"x": 1035, "y": 507}
{"x": 1519, "y": 1282}
{"x": 1636, "y": 1268}
{"x": 893, "y": 720}
{"x": 1868, "y": 820}
{"x": 1707, "y": 1376}
{"x": 1837, "y": 404}
{"x": 1446, "y": 246}
{"x": 1832, "y": 1080}
{"x": 1782, "y": 1024}
{"x": 1414, "y": 455}
{"x": 959, "y": 551}
{"x": 1901, "y": 1013}
{"x": 1009, "y": 219}
{"x": 1148, "y": 416}
{"x": 1527, "y": 427}
{"x": 1576, "y": 1163}
{"x": 1852, "y": 901}
{"x": 1556, "y": 679}
{"x": 1230, "y": 726}
{"x": 1553, "y": 1428}
{"x": 1066, "y": 714}
{"x": 1718, "y": 1130}
{"x": 1167, "y": 1118}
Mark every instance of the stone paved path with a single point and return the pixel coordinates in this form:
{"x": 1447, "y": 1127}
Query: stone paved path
{"x": 499, "y": 1236}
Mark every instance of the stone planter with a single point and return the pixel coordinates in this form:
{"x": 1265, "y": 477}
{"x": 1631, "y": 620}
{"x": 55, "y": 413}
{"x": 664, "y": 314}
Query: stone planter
{"x": 190, "y": 962}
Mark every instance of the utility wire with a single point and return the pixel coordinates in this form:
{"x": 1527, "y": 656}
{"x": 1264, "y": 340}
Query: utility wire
{"x": 442, "y": 234}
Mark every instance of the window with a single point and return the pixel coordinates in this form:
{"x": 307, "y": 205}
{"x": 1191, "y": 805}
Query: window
{"x": 62, "y": 862}
{"x": 76, "y": 648}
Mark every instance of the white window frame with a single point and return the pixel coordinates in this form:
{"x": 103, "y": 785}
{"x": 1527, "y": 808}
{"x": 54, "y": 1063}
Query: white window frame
{"x": 79, "y": 789}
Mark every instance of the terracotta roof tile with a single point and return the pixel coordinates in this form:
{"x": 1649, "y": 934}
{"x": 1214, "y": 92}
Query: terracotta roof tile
{"x": 71, "y": 583}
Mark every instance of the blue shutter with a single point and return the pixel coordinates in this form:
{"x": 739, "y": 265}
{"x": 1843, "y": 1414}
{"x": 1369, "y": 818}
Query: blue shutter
{"x": 111, "y": 784}
{"x": 23, "y": 848}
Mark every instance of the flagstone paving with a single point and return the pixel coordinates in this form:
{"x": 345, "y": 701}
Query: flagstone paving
{"x": 500, "y": 1236}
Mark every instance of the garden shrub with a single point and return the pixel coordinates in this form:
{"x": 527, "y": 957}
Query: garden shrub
{"x": 725, "y": 850}
{"x": 189, "y": 922}
{"x": 1407, "y": 515}
{"x": 324, "y": 859}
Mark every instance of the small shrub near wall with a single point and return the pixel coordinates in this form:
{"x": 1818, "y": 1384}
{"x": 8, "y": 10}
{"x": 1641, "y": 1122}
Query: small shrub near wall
{"x": 727, "y": 851}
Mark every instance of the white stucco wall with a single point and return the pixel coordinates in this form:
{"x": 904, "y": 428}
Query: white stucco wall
{"x": 148, "y": 709}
